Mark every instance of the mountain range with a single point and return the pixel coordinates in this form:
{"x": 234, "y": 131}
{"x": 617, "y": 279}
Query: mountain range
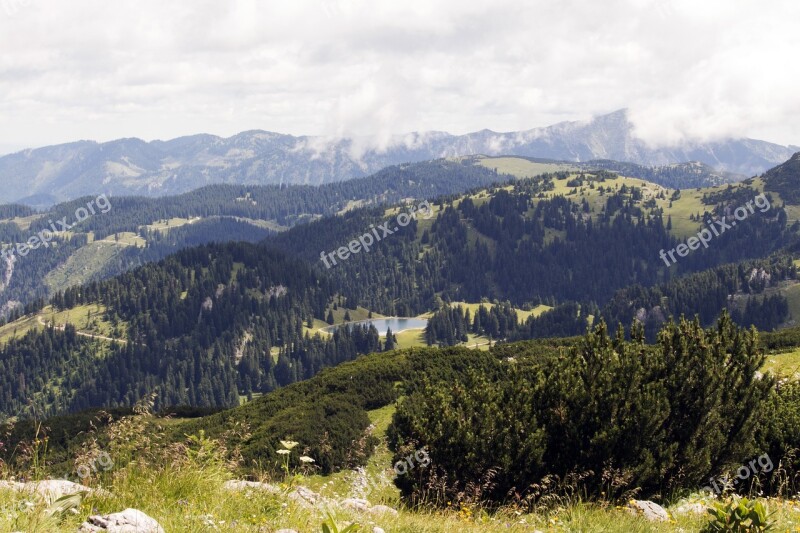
{"x": 44, "y": 176}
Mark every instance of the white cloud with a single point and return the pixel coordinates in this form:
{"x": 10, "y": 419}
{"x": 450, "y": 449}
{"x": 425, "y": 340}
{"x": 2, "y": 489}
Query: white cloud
{"x": 153, "y": 69}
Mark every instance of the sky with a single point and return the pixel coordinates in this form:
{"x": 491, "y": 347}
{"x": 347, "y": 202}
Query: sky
{"x": 686, "y": 70}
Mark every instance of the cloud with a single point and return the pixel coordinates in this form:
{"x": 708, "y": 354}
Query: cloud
{"x": 373, "y": 70}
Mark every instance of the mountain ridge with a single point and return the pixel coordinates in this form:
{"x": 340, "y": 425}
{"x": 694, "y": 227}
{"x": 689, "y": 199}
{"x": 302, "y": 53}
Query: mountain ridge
{"x": 256, "y": 157}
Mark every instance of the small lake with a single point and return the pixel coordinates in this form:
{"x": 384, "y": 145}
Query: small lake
{"x": 397, "y": 324}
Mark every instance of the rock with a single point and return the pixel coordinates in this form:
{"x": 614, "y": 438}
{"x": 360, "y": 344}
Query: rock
{"x": 690, "y": 508}
{"x": 238, "y": 484}
{"x": 128, "y": 521}
{"x": 650, "y": 510}
{"x": 304, "y": 497}
{"x": 356, "y": 504}
{"x": 286, "y": 531}
{"x": 382, "y": 509}
{"x": 53, "y": 489}
{"x": 377, "y": 529}
{"x": 11, "y": 485}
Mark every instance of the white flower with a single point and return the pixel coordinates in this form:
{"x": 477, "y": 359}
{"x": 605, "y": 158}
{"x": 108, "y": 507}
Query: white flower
{"x": 289, "y": 444}
{"x": 283, "y": 452}
{"x": 306, "y": 459}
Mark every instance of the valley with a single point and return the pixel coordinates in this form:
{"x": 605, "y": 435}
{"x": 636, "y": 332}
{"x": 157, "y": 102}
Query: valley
{"x": 523, "y": 264}
{"x": 399, "y": 267}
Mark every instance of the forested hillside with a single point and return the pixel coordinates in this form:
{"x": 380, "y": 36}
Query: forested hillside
{"x": 201, "y": 328}
{"x": 137, "y": 230}
{"x": 528, "y": 243}
{"x": 216, "y": 323}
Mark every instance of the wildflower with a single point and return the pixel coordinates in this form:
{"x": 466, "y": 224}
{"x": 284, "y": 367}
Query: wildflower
{"x": 289, "y": 444}
{"x": 283, "y": 452}
{"x": 306, "y": 459}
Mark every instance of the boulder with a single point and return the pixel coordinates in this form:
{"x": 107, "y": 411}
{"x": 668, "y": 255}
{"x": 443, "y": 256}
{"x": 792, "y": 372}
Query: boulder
{"x": 305, "y": 497}
{"x": 11, "y": 485}
{"x": 53, "y": 489}
{"x": 355, "y": 504}
{"x": 650, "y": 510}
{"x": 128, "y": 521}
{"x": 382, "y": 509}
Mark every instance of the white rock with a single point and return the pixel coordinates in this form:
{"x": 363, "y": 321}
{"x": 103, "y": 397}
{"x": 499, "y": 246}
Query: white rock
{"x": 356, "y": 504}
{"x": 650, "y": 510}
{"x": 53, "y": 489}
{"x": 382, "y": 509}
{"x": 11, "y": 485}
{"x": 128, "y": 521}
{"x": 377, "y": 529}
{"x": 286, "y": 531}
{"x": 304, "y": 497}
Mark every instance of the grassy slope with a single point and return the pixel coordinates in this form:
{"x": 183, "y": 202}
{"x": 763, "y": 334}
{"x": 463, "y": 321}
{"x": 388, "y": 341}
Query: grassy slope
{"x": 786, "y": 364}
{"x": 522, "y": 168}
{"x": 86, "y": 319}
{"x": 188, "y": 495}
{"x": 92, "y": 258}
{"x": 85, "y": 263}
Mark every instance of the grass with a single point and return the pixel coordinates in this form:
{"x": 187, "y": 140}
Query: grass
{"x": 792, "y": 294}
{"x": 164, "y": 225}
{"x": 690, "y": 202}
{"x": 86, "y": 318}
{"x": 25, "y": 222}
{"x": 522, "y": 314}
{"x": 519, "y": 167}
{"x": 786, "y": 364}
{"x": 84, "y": 264}
{"x": 182, "y": 488}
{"x": 125, "y": 238}
{"x": 410, "y": 338}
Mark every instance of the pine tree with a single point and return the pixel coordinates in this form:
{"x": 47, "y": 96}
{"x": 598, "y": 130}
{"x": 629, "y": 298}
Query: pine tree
{"x": 390, "y": 340}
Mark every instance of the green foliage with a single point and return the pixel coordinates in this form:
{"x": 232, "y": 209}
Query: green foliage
{"x": 779, "y": 436}
{"x": 705, "y": 293}
{"x": 329, "y": 526}
{"x": 738, "y": 516}
{"x": 188, "y": 318}
{"x": 621, "y": 415}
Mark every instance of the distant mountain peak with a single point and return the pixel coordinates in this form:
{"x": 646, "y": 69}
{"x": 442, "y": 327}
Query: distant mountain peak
{"x": 134, "y": 166}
